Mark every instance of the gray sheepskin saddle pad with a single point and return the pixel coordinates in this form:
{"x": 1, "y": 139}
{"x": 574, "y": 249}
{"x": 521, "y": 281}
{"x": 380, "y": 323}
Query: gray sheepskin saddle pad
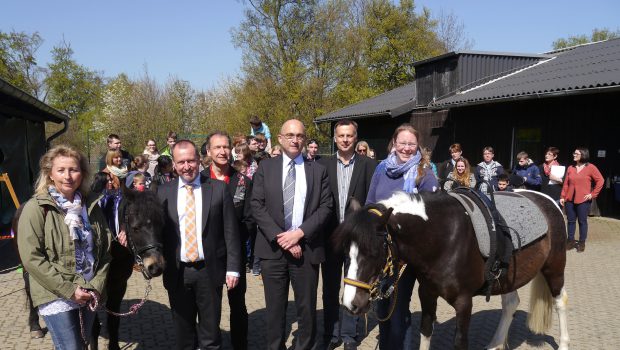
{"x": 523, "y": 217}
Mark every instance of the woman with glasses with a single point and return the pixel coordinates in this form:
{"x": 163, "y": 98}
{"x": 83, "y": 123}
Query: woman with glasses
{"x": 152, "y": 153}
{"x": 362, "y": 148}
{"x": 403, "y": 170}
{"x": 582, "y": 184}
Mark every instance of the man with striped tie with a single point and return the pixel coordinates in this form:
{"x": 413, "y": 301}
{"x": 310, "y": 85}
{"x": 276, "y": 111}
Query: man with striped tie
{"x": 201, "y": 248}
{"x": 291, "y": 202}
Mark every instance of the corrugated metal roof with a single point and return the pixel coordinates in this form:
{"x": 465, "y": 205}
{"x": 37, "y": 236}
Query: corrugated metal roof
{"x": 391, "y": 103}
{"x": 42, "y": 112}
{"x": 479, "y": 53}
{"x": 577, "y": 70}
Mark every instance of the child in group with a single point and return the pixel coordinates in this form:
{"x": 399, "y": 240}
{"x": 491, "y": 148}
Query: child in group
{"x": 141, "y": 165}
{"x": 139, "y": 182}
{"x": 503, "y": 183}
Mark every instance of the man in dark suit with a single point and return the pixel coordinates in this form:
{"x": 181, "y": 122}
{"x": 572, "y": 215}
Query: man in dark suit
{"x": 349, "y": 177}
{"x": 217, "y": 147}
{"x": 201, "y": 248}
{"x": 291, "y": 202}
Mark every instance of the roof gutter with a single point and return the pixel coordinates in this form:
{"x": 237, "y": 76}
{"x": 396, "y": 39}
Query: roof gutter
{"x": 49, "y": 140}
{"x": 576, "y": 92}
{"x": 359, "y": 116}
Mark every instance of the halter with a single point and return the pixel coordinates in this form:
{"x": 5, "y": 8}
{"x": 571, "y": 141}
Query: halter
{"x": 138, "y": 252}
{"x": 387, "y": 271}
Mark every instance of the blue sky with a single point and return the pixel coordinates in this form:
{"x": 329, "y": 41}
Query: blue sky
{"x": 190, "y": 39}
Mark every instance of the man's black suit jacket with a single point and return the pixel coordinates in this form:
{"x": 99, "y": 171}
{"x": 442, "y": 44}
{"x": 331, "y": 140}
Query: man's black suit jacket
{"x": 363, "y": 170}
{"x": 268, "y": 210}
{"x": 220, "y": 232}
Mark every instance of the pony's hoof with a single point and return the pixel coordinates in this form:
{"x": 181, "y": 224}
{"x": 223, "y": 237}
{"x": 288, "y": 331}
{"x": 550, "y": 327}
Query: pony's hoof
{"x": 37, "y": 334}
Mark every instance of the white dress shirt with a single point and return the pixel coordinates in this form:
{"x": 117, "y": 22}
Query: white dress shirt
{"x": 181, "y": 201}
{"x": 299, "y": 201}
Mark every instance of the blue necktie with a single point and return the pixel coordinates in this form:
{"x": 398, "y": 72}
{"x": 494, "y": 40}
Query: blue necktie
{"x": 288, "y": 196}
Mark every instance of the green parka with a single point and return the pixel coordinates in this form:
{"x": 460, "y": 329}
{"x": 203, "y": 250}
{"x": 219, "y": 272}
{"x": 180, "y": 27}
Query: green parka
{"x": 48, "y": 252}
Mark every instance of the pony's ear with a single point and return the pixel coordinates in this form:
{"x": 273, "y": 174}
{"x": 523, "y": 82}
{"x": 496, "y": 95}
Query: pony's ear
{"x": 354, "y": 205}
{"x": 387, "y": 215}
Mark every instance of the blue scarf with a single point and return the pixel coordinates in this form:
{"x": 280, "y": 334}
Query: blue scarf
{"x": 408, "y": 170}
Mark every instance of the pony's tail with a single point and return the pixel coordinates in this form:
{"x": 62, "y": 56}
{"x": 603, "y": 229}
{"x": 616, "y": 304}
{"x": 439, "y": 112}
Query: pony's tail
{"x": 541, "y": 302}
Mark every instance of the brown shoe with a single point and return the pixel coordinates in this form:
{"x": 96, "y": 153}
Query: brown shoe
{"x": 571, "y": 244}
{"x": 37, "y": 334}
{"x": 581, "y": 246}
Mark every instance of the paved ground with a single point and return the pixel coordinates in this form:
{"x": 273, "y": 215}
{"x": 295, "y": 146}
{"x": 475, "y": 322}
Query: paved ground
{"x": 592, "y": 283}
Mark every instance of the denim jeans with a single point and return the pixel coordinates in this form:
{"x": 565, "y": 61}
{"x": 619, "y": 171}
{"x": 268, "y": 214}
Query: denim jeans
{"x": 66, "y": 331}
{"x": 396, "y": 333}
{"x": 577, "y": 211}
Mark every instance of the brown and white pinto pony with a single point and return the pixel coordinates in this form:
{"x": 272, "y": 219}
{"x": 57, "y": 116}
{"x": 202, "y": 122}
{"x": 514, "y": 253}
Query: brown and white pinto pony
{"x": 432, "y": 233}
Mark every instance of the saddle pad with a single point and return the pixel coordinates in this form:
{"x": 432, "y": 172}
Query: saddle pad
{"x": 523, "y": 217}
{"x": 525, "y": 220}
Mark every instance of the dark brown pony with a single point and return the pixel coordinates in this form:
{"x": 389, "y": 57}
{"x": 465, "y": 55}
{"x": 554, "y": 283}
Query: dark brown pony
{"x": 432, "y": 234}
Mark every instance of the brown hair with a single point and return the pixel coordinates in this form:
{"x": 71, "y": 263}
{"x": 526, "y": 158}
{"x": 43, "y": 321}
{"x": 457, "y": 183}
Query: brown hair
{"x": 455, "y": 147}
{"x": 238, "y": 138}
{"x": 345, "y": 122}
{"x": 553, "y": 150}
{"x": 244, "y": 150}
{"x": 260, "y": 137}
{"x": 139, "y": 161}
{"x": 47, "y": 161}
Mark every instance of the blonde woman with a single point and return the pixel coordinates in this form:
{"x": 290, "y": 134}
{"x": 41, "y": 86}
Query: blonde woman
{"x": 63, "y": 241}
{"x": 461, "y": 176}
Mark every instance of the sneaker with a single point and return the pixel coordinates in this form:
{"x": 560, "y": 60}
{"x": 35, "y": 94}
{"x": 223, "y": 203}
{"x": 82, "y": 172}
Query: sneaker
{"x": 581, "y": 246}
{"x": 571, "y": 244}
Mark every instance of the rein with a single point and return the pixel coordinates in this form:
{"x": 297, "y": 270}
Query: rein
{"x": 374, "y": 288}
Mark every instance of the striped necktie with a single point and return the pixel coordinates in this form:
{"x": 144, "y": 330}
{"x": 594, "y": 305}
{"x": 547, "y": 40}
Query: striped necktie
{"x": 288, "y": 196}
{"x": 191, "y": 242}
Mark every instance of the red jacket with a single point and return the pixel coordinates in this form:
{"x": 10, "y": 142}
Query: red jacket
{"x": 578, "y": 184}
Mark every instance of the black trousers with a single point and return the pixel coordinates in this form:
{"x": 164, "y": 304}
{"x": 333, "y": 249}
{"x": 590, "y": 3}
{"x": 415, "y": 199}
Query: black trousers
{"x": 337, "y": 325}
{"x": 304, "y": 277}
{"x": 196, "y": 296}
{"x": 238, "y": 314}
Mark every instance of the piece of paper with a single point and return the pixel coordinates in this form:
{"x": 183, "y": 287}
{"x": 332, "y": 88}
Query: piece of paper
{"x": 557, "y": 171}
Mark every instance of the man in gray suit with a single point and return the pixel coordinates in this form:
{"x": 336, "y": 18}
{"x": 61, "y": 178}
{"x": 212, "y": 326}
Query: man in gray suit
{"x": 291, "y": 202}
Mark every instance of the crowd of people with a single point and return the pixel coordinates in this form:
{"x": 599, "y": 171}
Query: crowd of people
{"x": 242, "y": 204}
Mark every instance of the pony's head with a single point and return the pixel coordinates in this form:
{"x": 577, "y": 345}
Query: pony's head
{"x": 144, "y": 220}
{"x": 363, "y": 237}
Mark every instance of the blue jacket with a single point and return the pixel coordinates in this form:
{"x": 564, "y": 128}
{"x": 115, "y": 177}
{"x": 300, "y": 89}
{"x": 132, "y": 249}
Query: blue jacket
{"x": 530, "y": 173}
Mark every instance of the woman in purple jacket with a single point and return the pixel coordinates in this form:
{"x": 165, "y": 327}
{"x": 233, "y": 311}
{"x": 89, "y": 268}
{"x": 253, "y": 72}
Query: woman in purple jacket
{"x": 403, "y": 170}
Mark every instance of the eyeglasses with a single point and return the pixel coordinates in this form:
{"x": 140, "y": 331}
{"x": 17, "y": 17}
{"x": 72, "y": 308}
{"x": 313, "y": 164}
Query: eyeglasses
{"x": 576, "y": 154}
{"x": 291, "y": 137}
{"x": 362, "y": 150}
{"x": 151, "y": 145}
{"x": 406, "y": 144}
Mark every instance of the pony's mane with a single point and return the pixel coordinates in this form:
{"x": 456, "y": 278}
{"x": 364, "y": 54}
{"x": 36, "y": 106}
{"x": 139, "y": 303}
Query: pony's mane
{"x": 359, "y": 227}
{"x": 406, "y": 203}
{"x": 145, "y": 205}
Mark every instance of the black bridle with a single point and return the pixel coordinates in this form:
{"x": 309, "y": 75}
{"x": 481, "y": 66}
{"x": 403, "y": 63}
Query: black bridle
{"x": 378, "y": 289}
{"x": 138, "y": 251}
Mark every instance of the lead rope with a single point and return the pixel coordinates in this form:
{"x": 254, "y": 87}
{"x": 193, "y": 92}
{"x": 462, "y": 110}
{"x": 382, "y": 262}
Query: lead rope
{"x": 395, "y": 294}
{"x": 93, "y": 305}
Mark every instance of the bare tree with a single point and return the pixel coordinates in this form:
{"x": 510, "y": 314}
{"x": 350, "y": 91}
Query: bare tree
{"x": 451, "y": 32}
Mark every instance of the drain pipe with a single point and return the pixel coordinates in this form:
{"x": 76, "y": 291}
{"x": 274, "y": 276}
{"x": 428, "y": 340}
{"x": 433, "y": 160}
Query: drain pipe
{"x": 57, "y": 134}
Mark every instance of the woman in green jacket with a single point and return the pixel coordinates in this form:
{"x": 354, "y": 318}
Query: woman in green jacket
{"x": 63, "y": 241}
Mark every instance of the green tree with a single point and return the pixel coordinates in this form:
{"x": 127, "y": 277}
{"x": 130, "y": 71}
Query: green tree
{"x": 18, "y": 63}
{"x": 395, "y": 38}
{"x": 597, "y": 35}
{"x": 73, "y": 88}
